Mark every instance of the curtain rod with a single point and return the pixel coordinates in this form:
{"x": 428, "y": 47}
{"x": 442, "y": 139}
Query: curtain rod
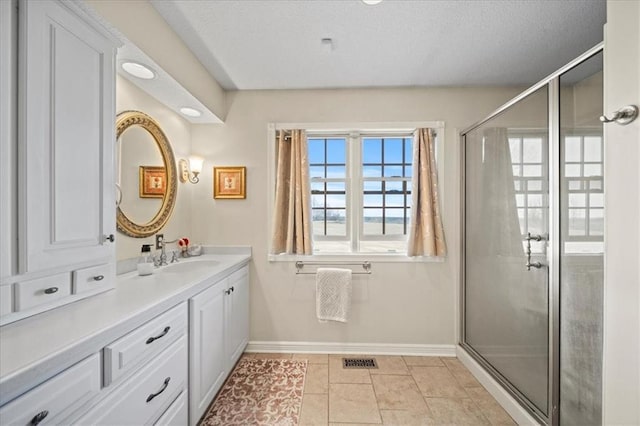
{"x": 287, "y": 137}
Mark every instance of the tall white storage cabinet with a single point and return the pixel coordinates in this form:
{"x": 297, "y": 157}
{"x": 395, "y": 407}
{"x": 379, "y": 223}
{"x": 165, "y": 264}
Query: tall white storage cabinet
{"x": 64, "y": 181}
{"x": 67, "y": 131}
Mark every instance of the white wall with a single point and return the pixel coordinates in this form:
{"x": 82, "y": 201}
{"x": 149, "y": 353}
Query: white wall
{"x": 403, "y": 303}
{"x": 621, "y": 381}
{"x": 178, "y": 131}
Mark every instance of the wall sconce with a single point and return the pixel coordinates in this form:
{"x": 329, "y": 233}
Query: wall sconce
{"x": 194, "y": 167}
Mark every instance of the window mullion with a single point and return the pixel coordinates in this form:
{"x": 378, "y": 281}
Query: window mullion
{"x": 355, "y": 189}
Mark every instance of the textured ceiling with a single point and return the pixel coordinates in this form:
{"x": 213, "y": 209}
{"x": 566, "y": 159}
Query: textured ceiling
{"x": 276, "y": 44}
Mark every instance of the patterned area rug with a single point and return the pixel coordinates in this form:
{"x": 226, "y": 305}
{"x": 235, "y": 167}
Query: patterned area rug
{"x": 260, "y": 392}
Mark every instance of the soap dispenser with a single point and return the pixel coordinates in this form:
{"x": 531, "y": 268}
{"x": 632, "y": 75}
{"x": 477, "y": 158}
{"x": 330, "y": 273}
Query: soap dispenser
{"x": 145, "y": 261}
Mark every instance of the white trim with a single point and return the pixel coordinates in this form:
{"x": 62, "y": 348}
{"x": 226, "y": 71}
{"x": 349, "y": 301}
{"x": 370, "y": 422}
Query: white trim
{"x": 351, "y": 348}
{"x": 511, "y": 406}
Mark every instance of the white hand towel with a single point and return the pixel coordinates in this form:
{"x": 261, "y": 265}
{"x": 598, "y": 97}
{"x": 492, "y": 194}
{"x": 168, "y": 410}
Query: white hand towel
{"x": 333, "y": 294}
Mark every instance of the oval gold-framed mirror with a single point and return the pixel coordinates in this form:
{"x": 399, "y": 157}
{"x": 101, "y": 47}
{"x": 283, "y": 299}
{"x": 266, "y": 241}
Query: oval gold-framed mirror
{"x": 131, "y": 227}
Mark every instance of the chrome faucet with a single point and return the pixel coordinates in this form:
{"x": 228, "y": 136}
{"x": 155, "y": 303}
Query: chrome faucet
{"x": 162, "y": 260}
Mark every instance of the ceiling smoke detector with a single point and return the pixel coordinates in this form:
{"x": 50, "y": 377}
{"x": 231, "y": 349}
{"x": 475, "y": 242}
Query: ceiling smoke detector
{"x": 371, "y": 2}
{"x": 327, "y": 43}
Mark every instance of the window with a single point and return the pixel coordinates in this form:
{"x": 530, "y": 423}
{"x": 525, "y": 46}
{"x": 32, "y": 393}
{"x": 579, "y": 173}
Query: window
{"x": 528, "y": 159}
{"x": 583, "y": 193}
{"x": 360, "y": 190}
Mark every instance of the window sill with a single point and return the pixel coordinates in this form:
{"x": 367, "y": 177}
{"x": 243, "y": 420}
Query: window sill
{"x": 355, "y": 257}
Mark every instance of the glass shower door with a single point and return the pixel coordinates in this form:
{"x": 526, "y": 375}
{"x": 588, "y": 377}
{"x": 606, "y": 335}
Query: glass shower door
{"x": 582, "y": 243}
{"x": 506, "y": 275}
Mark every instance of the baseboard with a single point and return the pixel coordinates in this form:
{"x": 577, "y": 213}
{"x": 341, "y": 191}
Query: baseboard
{"x": 352, "y": 348}
{"x": 511, "y": 406}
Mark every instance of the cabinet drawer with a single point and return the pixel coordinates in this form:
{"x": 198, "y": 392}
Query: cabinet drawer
{"x": 148, "y": 393}
{"x": 42, "y": 290}
{"x": 177, "y": 414}
{"x": 58, "y": 397}
{"x": 143, "y": 343}
{"x": 94, "y": 279}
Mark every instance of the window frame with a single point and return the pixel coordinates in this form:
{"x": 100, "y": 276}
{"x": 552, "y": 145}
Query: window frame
{"x": 354, "y": 200}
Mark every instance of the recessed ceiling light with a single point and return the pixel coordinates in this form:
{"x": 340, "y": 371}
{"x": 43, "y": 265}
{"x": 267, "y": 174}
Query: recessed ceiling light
{"x": 138, "y": 70}
{"x": 190, "y": 112}
{"x": 371, "y": 2}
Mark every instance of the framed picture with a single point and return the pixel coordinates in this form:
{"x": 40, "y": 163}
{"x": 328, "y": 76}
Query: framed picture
{"x": 153, "y": 181}
{"x": 229, "y": 182}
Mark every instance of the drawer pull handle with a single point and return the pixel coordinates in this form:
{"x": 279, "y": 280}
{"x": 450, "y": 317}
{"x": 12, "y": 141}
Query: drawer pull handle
{"x": 164, "y": 386}
{"x": 50, "y": 290}
{"x": 164, "y": 333}
{"x": 98, "y": 277}
{"x": 39, "y": 417}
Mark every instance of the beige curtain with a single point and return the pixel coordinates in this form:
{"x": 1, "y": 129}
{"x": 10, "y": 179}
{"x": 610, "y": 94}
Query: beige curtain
{"x": 426, "y": 237}
{"x": 291, "y": 233}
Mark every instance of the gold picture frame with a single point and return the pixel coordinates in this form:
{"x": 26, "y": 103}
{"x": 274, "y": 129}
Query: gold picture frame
{"x": 229, "y": 182}
{"x": 152, "y": 181}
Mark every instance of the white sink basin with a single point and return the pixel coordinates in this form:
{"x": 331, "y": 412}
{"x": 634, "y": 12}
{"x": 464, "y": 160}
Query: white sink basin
{"x": 192, "y": 265}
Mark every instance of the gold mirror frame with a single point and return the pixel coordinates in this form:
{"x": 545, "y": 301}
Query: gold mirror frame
{"x": 124, "y": 120}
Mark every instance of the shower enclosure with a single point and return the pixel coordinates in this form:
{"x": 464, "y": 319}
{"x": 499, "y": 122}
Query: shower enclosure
{"x": 532, "y": 251}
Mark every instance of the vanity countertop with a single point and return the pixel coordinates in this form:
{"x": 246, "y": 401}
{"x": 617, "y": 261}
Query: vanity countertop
{"x": 36, "y": 348}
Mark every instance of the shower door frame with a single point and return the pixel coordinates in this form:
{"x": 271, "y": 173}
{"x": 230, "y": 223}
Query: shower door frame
{"x": 553, "y": 250}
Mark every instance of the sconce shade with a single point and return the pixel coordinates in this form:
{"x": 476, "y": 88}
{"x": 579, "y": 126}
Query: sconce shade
{"x": 195, "y": 164}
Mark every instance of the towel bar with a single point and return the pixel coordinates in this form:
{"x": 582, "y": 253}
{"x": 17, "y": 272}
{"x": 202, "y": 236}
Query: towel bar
{"x": 366, "y": 265}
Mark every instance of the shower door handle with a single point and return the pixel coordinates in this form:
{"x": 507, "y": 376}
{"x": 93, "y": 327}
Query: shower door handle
{"x": 530, "y": 237}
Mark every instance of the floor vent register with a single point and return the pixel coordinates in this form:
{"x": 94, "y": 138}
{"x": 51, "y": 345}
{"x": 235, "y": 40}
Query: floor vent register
{"x": 359, "y": 363}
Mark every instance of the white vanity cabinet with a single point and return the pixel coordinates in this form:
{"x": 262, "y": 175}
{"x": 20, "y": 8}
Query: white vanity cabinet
{"x": 219, "y": 332}
{"x": 62, "y": 191}
{"x": 237, "y": 316}
{"x": 55, "y": 400}
{"x": 145, "y": 374}
{"x": 156, "y": 350}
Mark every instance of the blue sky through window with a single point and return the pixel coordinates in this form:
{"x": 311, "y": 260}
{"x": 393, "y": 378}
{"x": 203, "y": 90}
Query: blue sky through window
{"x": 381, "y": 157}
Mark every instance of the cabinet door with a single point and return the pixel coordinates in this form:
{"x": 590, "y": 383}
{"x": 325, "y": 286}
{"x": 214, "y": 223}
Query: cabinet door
{"x": 8, "y": 146}
{"x": 237, "y": 315}
{"x": 66, "y": 132}
{"x": 206, "y": 348}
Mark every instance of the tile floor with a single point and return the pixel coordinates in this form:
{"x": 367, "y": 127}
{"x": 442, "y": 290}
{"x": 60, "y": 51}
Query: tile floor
{"x": 403, "y": 391}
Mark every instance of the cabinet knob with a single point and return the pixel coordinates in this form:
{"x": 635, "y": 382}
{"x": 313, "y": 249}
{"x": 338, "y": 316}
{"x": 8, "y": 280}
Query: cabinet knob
{"x": 39, "y": 417}
{"x": 98, "y": 278}
{"x": 50, "y": 290}
{"x": 111, "y": 238}
{"x": 232, "y": 289}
